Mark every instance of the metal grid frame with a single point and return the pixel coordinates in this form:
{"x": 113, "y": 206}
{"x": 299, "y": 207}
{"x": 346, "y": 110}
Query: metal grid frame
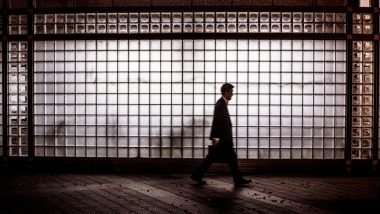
{"x": 348, "y": 60}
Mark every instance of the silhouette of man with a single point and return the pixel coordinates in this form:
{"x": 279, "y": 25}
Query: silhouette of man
{"x": 221, "y": 137}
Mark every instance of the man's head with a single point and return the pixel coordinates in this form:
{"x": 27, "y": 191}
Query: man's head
{"x": 227, "y": 90}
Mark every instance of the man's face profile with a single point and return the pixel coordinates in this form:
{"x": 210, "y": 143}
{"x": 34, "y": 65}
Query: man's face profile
{"x": 228, "y": 94}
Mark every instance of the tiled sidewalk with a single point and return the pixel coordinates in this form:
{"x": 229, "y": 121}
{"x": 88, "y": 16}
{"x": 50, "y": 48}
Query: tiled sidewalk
{"x": 176, "y": 193}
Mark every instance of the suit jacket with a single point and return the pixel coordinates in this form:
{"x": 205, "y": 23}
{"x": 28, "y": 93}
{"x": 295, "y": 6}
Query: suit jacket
{"x": 221, "y": 124}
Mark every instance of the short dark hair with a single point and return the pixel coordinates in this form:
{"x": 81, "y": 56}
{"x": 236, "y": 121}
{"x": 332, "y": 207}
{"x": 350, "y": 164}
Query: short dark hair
{"x": 226, "y": 87}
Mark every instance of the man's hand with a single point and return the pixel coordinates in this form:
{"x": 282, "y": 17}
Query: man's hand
{"x": 215, "y": 141}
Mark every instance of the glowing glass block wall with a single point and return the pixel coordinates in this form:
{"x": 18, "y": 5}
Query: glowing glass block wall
{"x": 155, "y": 98}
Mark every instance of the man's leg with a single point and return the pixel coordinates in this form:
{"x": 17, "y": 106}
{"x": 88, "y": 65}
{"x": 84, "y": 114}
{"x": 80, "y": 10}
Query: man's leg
{"x": 201, "y": 170}
{"x": 233, "y": 165}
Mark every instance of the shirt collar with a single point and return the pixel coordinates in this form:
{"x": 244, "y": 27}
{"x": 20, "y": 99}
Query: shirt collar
{"x": 225, "y": 99}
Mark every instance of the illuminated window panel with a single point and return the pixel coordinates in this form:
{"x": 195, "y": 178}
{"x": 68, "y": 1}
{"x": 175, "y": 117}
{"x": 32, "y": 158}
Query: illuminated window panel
{"x": 155, "y": 98}
{"x": 189, "y": 22}
{"x": 362, "y": 100}
{"x": 17, "y": 98}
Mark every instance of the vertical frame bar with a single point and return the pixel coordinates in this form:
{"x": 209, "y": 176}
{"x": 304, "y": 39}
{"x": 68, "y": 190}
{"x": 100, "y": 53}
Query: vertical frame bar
{"x": 30, "y": 81}
{"x": 348, "y": 80}
{"x": 5, "y": 73}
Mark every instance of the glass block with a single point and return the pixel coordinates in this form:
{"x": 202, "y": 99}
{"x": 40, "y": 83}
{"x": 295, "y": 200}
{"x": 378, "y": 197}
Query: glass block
{"x": 23, "y": 109}
{"x": 188, "y": 28}
{"x": 133, "y": 17}
{"x": 286, "y": 17}
{"x": 123, "y": 17}
{"x": 80, "y": 18}
{"x": 50, "y": 29}
{"x": 308, "y": 17}
{"x": 112, "y": 28}
{"x": 329, "y": 28}
{"x": 366, "y": 154}
{"x": 198, "y": 28}
{"x": 90, "y": 28}
{"x": 39, "y": 29}
{"x": 101, "y": 28}
{"x": 253, "y": 17}
{"x": 155, "y": 28}
{"x": 275, "y": 27}
{"x": 231, "y": 28}
{"x": 264, "y": 17}
{"x": 133, "y": 28}
{"x": 297, "y": 28}
{"x": 356, "y": 133}
{"x": 308, "y": 28}
{"x": 356, "y": 78}
{"x": 13, "y": 30}
{"x": 70, "y": 28}
{"x": 231, "y": 17}
{"x": 367, "y": 18}
{"x": 366, "y": 133}
{"x": 242, "y": 28}
{"x": 123, "y": 28}
{"x": 367, "y": 111}
{"x": 90, "y": 18}
{"x": 275, "y": 17}
{"x": 23, "y": 19}
{"x": 165, "y": 28}
{"x": 355, "y": 154}
{"x": 70, "y": 18}
{"x": 13, "y": 19}
{"x": 101, "y": 18}
{"x": 60, "y": 28}
{"x": 330, "y": 17}
{"x": 356, "y": 121}
{"x": 340, "y": 28}
{"x": 166, "y": 17}
{"x": 177, "y": 28}
{"x": 319, "y": 17}
{"x": 367, "y": 89}
{"x": 198, "y": 17}
{"x": 81, "y": 28}
{"x": 367, "y": 57}
{"x": 366, "y": 122}
{"x": 210, "y": 27}
{"x": 264, "y": 28}
{"x": 357, "y": 45}
{"x": 356, "y": 100}
{"x": 340, "y": 17}
{"x": 297, "y": 17}
{"x": 367, "y": 67}
{"x": 286, "y": 28}
{"x": 188, "y": 17}
{"x": 38, "y": 19}
{"x": 367, "y": 28}
{"x": 253, "y": 28}
{"x": 220, "y": 28}
{"x": 177, "y": 17}
{"x": 367, "y": 46}
{"x": 356, "y": 89}
{"x": 367, "y": 100}
{"x": 242, "y": 16}
{"x": 357, "y": 56}
{"x": 319, "y": 28}
{"x": 366, "y": 143}
{"x": 210, "y": 17}
{"x": 60, "y": 18}
{"x": 112, "y": 18}
{"x": 357, "y": 18}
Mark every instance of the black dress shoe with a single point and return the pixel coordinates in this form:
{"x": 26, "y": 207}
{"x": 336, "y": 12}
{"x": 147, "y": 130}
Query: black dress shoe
{"x": 242, "y": 182}
{"x": 198, "y": 180}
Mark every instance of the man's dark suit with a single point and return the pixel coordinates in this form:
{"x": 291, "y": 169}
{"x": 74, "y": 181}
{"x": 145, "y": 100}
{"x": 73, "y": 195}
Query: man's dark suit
{"x": 222, "y": 129}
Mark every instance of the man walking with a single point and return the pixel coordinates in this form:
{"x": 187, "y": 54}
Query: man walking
{"x": 221, "y": 137}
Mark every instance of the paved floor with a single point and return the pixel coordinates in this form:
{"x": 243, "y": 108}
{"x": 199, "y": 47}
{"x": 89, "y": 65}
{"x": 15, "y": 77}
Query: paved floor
{"x": 176, "y": 193}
